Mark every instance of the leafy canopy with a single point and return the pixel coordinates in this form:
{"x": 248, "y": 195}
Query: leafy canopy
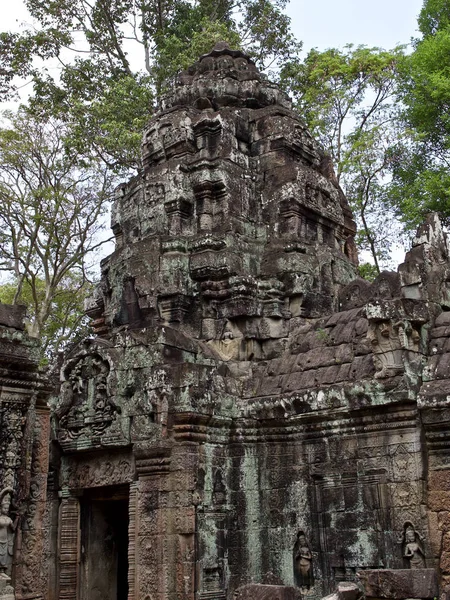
{"x": 421, "y": 175}
{"x": 53, "y": 202}
{"x": 67, "y": 323}
{"x": 347, "y": 98}
{"x": 116, "y": 58}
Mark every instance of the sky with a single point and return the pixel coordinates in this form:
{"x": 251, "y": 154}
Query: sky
{"x": 320, "y": 23}
{"x": 333, "y": 23}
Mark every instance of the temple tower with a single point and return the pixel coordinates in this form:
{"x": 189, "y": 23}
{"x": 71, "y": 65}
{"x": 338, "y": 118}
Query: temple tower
{"x": 247, "y": 411}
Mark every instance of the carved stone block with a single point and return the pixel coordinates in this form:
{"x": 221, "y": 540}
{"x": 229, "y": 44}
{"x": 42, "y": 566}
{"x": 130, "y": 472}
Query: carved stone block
{"x": 267, "y": 592}
{"x": 401, "y": 583}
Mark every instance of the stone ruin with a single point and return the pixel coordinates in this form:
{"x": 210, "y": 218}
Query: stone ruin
{"x": 24, "y": 459}
{"x": 251, "y": 419}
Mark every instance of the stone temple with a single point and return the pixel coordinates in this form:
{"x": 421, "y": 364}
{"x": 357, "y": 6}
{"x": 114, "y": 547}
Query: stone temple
{"x": 251, "y": 419}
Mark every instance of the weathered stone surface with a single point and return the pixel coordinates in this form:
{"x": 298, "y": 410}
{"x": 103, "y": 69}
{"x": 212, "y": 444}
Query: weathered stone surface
{"x": 401, "y": 583}
{"x": 24, "y": 439}
{"x": 348, "y": 591}
{"x": 267, "y": 592}
{"x": 12, "y": 316}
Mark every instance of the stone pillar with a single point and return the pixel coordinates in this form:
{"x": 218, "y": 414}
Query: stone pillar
{"x": 14, "y": 407}
{"x": 132, "y": 538}
{"x": 69, "y": 547}
{"x": 149, "y": 532}
{"x": 24, "y": 435}
{"x": 164, "y": 530}
{"x": 30, "y": 571}
{"x": 437, "y": 428}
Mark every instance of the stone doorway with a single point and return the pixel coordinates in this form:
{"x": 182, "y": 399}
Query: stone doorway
{"x": 104, "y": 544}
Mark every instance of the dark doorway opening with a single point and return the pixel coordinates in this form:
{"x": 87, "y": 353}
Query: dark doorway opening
{"x": 104, "y": 544}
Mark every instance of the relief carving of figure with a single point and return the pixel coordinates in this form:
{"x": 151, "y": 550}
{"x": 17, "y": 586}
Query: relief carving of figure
{"x": 85, "y": 403}
{"x": 303, "y": 571}
{"x": 387, "y": 348}
{"x": 229, "y": 345}
{"x": 7, "y": 528}
{"x": 412, "y": 547}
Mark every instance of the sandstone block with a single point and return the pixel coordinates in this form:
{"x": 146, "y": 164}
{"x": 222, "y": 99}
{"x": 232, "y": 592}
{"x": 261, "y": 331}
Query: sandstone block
{"x": 439, "y": 480}
{"x": 438, "y": 500}
{"x": 267, "y": 592}
{"x": 399, "y": 583}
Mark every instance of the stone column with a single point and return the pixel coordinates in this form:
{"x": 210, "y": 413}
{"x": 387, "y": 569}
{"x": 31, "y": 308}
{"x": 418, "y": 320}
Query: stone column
{"x": 164, "y": 530}
{"x": 437, "y": 432}
{"x": 69, "y": 547}
{"x": 35, "y": 537}
{"x": 132, "y": 537}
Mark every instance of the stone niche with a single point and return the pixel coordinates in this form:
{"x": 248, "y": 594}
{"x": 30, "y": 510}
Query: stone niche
{"x": 251, "y": 418}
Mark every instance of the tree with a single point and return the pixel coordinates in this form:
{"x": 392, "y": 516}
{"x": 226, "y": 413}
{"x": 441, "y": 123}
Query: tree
{"x": 347, "y": 98}
{"x": 52, "y": 207}
{"x": 97, "y": 44}
{"x": 421, "y": 176}
{"x": 67, "y": 322}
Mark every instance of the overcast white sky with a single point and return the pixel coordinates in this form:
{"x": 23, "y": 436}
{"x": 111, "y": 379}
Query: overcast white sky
{"x": 330, "y": 23}
{"x": 320, "y": 23}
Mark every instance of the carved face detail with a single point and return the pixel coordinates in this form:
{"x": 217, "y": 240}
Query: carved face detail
{"x": 225, "y": 62}
{"x": 6, "y": 502}
{"x": 384, "y": 329}
{"x": 10, "y": 461}
{"x": 410, "y": 535}
{"x": 241, "y": 64}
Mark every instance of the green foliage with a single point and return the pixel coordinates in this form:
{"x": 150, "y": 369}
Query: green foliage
{"x": 104, "y": 118}
{"x": 434, "y": 16}
{"x": 175, "y": 53}
{"x": 322, "y": 335}
{"x": 52, "y": 207}
{"x": 265, "y": 31}
{"x": 102, "y": 96}
{"x": 421, "y": 175}
{"x": 67, "y": 323}
{"x": 427, "y": 88}
{"x": 17, "y": 54}
{"x": 368, "y": 271}
{"x": 347, "y": 98}
{"x": 334, "y": 87}
{"x": 421, "y": 185}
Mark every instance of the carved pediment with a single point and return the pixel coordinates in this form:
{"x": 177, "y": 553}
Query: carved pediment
{"x": 87, "y": 413}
